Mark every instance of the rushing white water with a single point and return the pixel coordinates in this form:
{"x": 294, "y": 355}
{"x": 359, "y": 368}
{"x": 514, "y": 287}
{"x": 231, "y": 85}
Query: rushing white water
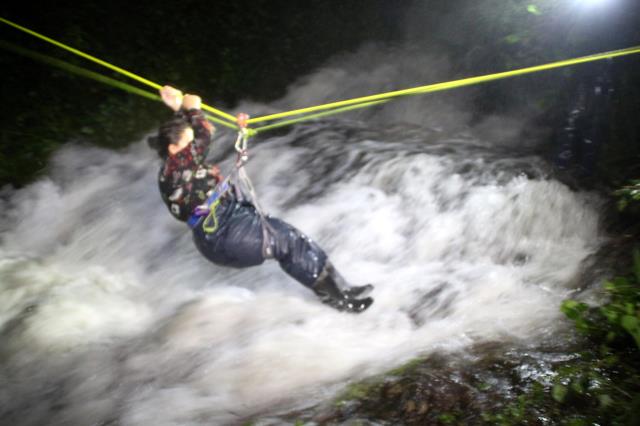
{"x": 109, "y": 314}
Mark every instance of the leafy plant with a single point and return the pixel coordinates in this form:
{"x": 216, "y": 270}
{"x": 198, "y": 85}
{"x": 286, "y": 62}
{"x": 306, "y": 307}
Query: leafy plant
{"x": 600, "y": 384}
{"x": 628, "y": 195}
{"x": 619, "y": 318}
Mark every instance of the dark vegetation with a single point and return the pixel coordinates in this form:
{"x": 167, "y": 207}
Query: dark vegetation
{"x": 229, "y": 51}
{"x": 494, "y": 35}
{"x": 224, "y": 51}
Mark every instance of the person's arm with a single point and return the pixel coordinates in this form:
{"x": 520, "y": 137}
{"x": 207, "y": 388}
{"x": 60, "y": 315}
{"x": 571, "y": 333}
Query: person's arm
{"x": 202, "y": 129}
{"x": 172, "y": 97}
{"x": 188, "y": 106}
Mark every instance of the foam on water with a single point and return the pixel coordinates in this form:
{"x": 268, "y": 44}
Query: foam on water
{"x": 107, "y": 311}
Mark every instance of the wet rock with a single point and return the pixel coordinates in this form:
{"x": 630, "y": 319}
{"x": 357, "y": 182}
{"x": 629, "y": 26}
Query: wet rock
{"x": 424, "y": 394}
{"x": 467, "y": 389}
{"x": 410, "y": 407}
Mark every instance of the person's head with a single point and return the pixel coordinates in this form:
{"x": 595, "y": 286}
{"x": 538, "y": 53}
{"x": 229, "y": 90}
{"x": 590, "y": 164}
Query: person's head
{"x": 173, "y": 136}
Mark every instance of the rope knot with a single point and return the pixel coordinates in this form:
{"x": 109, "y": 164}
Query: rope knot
{"x": 242, "y": 120}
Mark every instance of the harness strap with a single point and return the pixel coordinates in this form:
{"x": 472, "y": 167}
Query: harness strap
{"x": 241, "y": 181}
{"x": 243, "y": 157}
{"x": 267, "y": 230}
{"x": 208, "y": 209}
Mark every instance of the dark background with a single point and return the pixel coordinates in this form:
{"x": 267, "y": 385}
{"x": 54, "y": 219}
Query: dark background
{"x": 231, "y": 51}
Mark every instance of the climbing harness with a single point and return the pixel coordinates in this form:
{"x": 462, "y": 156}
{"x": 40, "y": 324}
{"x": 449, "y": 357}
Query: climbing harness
{"x": 208, "y": 209}
{"x": 236, "y": 180}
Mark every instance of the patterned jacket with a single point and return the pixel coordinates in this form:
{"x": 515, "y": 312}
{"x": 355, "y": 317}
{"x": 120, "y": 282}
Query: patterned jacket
{"x": 185, "y": 180}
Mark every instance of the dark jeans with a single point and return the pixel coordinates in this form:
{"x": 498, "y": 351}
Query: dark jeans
{"x": 238, "y": 242}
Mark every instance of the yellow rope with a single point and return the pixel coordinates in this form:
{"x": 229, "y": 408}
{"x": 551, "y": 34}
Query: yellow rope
{"x": 108, "y": 65}
{"x": 349, "y": 102}
{"x": 82, "y": 72}
{"x": 290, "y": 122}
{"x": 450, "y": 84}
{"x": 207, "y": 226}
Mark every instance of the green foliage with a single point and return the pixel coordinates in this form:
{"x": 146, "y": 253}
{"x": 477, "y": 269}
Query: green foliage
{"x": 513, "y": 38}
{"x": 359, "y": 391}
{"x": 601, "y": 384}
{"x": 616, "y": 320}
{"x": 533, "y": 9}
{"x": 586, "y": 390}
{"x": 576, "y": 311}
{"x": 406, "y": 368}
{"x": 519, "y": 410}
{"x": 628, "y": 195}
{"x": 559, "y": 392}
{"x": 448, "y": 418}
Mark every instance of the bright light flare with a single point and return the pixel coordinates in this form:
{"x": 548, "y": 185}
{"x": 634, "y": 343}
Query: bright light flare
{"x": 594, "y": 3}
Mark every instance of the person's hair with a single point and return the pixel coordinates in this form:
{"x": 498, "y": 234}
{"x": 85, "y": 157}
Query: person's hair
{"x": 168, "y": 133}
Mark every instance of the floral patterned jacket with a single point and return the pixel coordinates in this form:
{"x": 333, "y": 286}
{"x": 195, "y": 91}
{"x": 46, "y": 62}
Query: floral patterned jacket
{"x": 185, "y": 180}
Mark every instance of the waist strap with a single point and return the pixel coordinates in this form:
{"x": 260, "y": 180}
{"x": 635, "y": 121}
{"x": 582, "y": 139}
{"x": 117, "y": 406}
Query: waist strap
{"x": 208, "y": 208}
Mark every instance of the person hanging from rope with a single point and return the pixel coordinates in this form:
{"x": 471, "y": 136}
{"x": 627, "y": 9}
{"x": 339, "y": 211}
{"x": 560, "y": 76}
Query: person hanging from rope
{"x": 228, "y": 228}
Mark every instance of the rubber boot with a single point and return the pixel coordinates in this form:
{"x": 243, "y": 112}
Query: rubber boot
{"x": 333, "y": 291}
{"x": 352, "y": 292}
{"x": 358, "y": 291}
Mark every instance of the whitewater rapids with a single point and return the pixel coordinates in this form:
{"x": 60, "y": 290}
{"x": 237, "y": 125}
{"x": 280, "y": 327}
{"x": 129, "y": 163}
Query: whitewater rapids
{"x": 109, "y": 314}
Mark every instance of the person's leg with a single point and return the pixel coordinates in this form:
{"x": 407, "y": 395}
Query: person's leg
{"x": 298, "y": 255}
{"x": 237, "y": 242}
{"x": 305, "y": 261}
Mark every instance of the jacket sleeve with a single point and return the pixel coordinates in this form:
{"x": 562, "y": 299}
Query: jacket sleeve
{"x": 202, "y": 129}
